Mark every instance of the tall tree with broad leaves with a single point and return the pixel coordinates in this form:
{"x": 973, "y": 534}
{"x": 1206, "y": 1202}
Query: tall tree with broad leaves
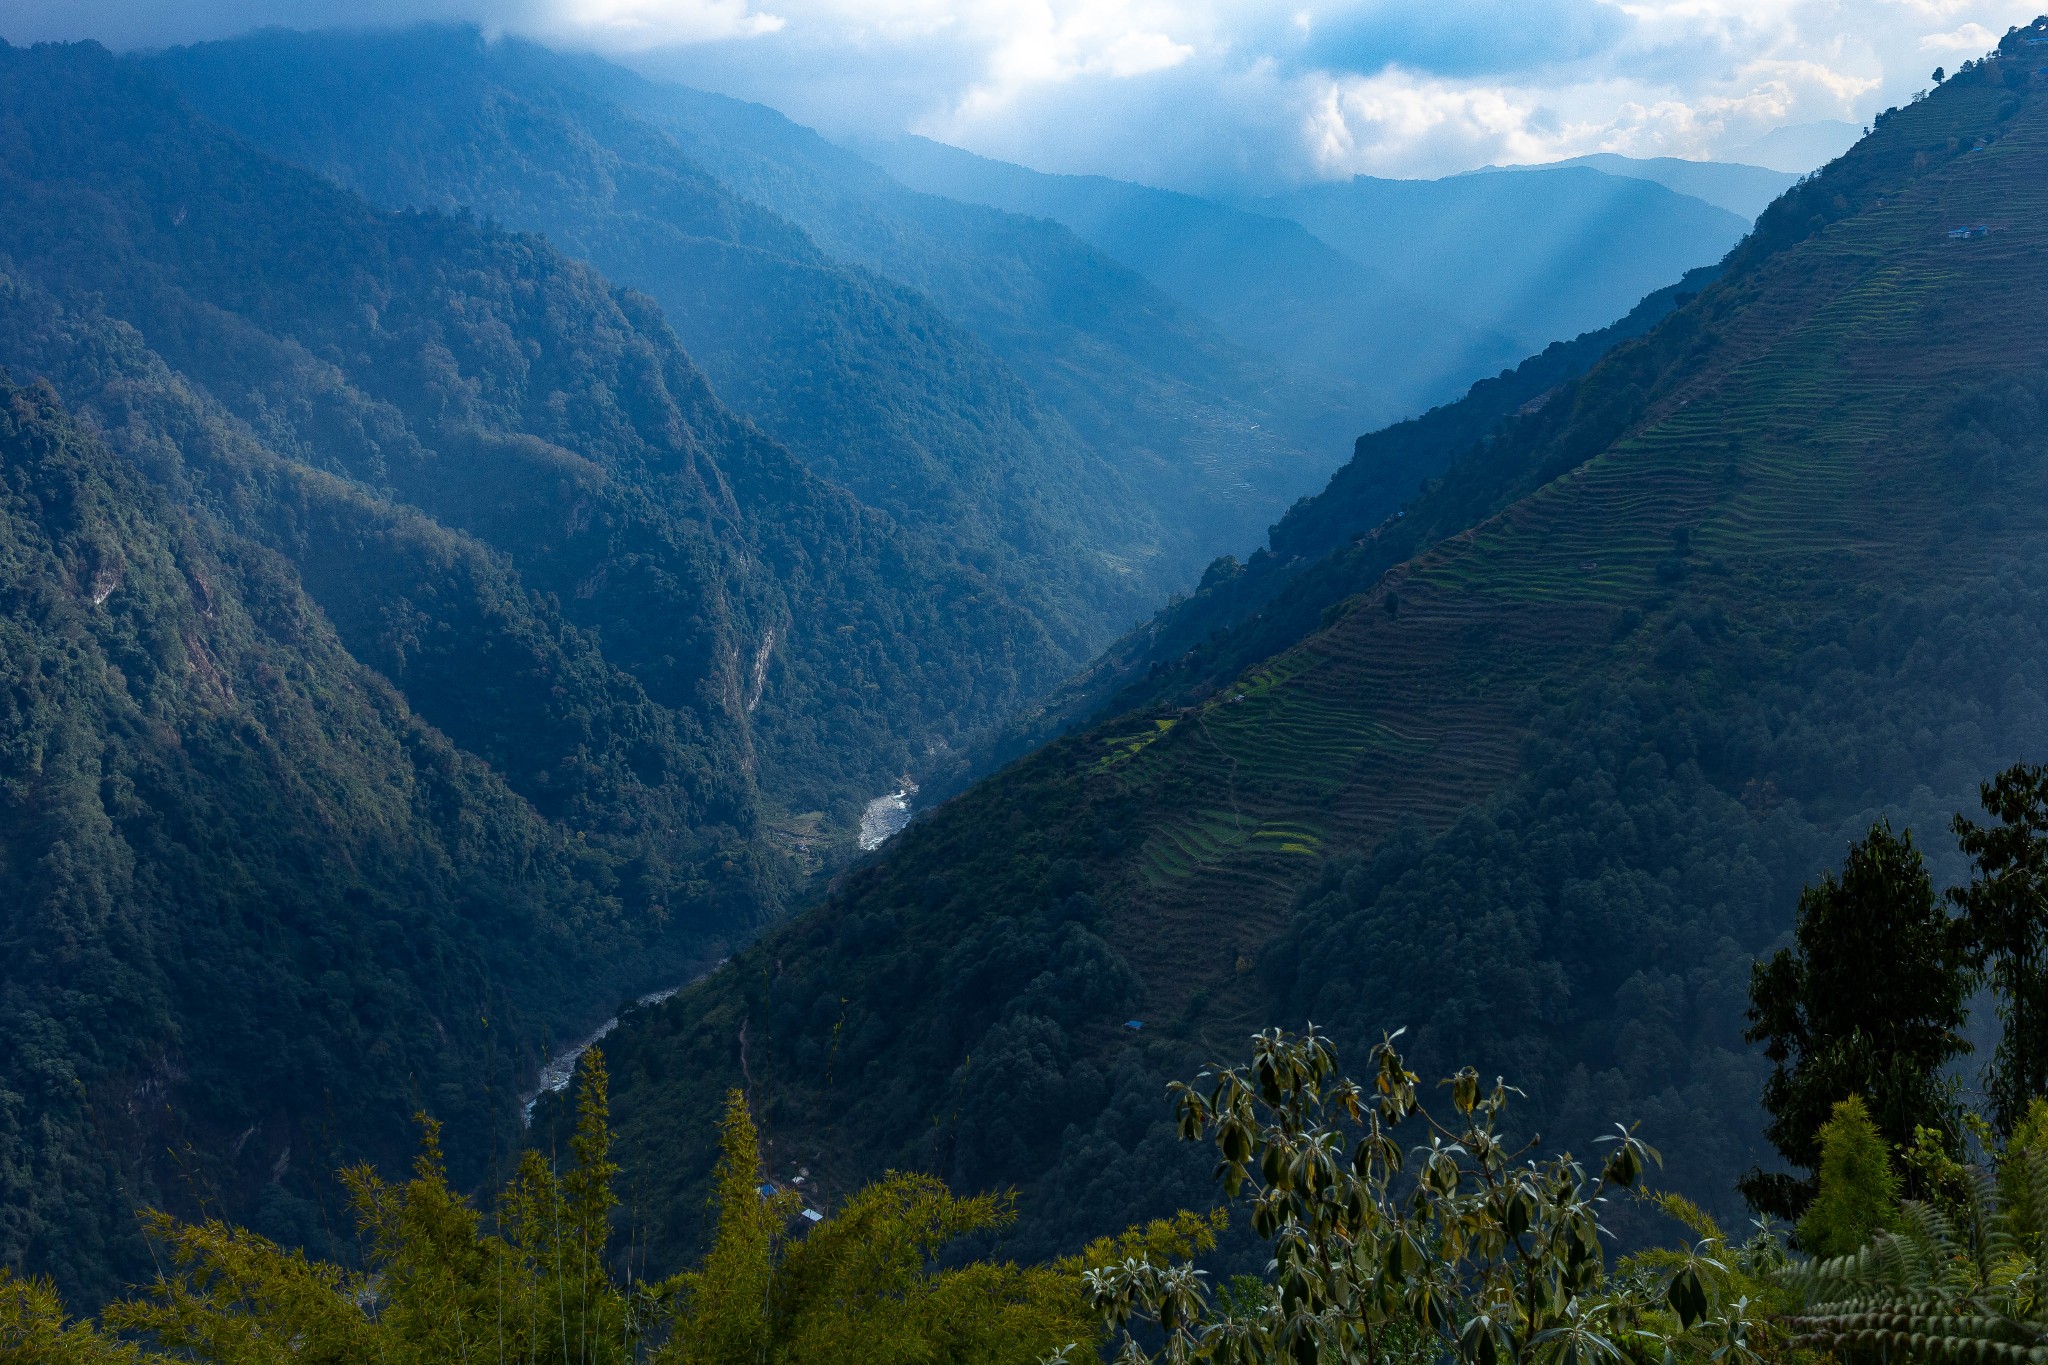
{"x": 1406, "y": 1236}
{"x": 1870, "y": 1002}
{"x": 2005, "y": 909}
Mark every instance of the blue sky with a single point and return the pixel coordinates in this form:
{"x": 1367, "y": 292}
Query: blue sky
{"x": 1217, "y": 94}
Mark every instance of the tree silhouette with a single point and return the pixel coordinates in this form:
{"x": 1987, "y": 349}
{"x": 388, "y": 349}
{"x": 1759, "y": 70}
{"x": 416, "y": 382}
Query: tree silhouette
{"x": 1869, "y": 1003}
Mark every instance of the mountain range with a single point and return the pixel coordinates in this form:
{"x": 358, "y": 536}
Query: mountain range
{"x": 1158, "y": 325}
{"x": 467, "y": 663}
{"x": 481, "y": 526}
{"x": 1327, "y": 276}
{"x": 1540, "y": 254}
{"x": 1743, "y": 190}
{"x": 1533, "y": 769}
{"x": 918, "y": 381}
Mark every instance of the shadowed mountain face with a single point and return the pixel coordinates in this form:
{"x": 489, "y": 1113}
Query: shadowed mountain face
{"x": 407, "y": 655}
{"x": 1537, "y": 784}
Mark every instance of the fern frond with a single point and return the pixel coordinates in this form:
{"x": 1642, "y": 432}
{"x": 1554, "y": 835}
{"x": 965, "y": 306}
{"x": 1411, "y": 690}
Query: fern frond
{"x": 1935, "y": 1288}
{"x": 2023, "y": 1188}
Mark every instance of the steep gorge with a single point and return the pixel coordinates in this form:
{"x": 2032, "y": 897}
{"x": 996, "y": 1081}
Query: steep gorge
{"x": 411, "y": 657}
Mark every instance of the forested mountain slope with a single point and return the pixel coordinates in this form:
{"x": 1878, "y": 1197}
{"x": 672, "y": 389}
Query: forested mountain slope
{"x": 1215, "y": 439}
{"x": 518, "y": 397}
{"x": 1539, "y": 793}
{"x": 864, "y": 380}
{"x": 1265, "y": 281}
{"x": 408, "y": 656}
{"x": 1539, "y": 254}
{"x": 1325, "y": 549}
{"x": 256, "y": 909}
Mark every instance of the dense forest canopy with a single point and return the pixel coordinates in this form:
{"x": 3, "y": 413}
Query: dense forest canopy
{"x": 516, "y": 673}
{"x": 254, "y": 902}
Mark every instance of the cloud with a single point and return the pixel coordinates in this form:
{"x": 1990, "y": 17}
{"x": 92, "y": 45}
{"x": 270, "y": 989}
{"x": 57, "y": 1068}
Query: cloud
{"x": 1970, "y": 38}
{"x": 648, "y": 23}
{"x": 1215, "y": 94}
{"x": 1482, "y": 37}
{"x": 1044, "y": 44}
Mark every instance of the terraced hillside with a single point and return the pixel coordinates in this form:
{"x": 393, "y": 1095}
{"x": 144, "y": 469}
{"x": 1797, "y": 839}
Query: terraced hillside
{"x": 1327, "y": 548}
{"x": 1538, "y": 792}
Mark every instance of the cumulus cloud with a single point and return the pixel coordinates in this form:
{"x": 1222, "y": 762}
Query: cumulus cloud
{"x": 1031, "y": 46}
{"x": 646, "y": 23}
{"x": 1211, "y": 94}
{"x": 1969, "y": 38}
{"x": 1216, "y": 94}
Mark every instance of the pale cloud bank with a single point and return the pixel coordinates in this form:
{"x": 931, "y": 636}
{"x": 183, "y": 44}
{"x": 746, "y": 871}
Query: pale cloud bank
{"x": 1209, "y": 94}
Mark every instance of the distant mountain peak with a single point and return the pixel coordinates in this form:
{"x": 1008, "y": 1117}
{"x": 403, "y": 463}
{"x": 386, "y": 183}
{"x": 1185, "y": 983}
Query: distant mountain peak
{"x": 1799, "y": 148}
{"x": 1409, "y": 290}
{"x": 1741, "y": 189}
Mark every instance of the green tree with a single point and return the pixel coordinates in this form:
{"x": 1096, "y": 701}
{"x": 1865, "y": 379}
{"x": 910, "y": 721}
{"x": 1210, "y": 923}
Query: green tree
{"x": 35, "y": 1330}
{"x": 1475, "y": 1251}
{"x": 1859, "y": 1190}
{"x": 438, "y": 1284}
{"x": 722, "y": 1306}
{"x": 2024, "y": 1150}
{"x": 2005, "y": 908}
{"x": 1963, "y": 1286}
{"x": 1870, "y": 1002}
{"x": 863, "y": 1287}
{"x": 535, "y": 1282}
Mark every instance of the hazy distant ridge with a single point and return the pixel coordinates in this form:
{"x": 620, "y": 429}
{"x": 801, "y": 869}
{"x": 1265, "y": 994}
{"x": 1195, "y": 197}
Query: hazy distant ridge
{"x": 1410, "y": 289}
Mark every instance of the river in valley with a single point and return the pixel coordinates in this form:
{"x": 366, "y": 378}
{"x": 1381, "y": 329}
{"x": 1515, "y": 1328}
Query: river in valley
{"x": 560, "y": 1067}
{"x": 885, "y": 817}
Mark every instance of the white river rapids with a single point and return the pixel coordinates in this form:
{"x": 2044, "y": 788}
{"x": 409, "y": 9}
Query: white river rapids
{"x": 885, "y": 817}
